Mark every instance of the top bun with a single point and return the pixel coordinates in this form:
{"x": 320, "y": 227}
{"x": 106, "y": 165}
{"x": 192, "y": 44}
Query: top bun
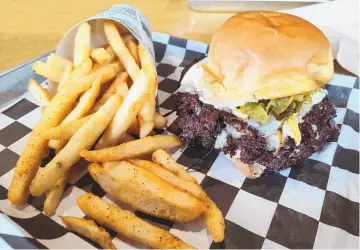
{"x": 269, "y": 55}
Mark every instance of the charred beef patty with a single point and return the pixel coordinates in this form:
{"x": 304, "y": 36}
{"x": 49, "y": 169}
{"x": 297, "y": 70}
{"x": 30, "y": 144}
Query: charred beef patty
{"x": 201, "y": 123}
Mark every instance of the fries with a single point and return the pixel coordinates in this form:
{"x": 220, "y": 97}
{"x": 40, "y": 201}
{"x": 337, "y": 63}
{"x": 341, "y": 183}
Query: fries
{"x": 84, "y": 138}
{"x": 82, "y": 46}
{"x": 53, "y": 197}
{"x": 146, "y": 115}
{"x": 134, "y": 127}
{"x": 120, "y": 49}
{"x": 58, "y": 61}
{"x": 50, "y": 72}
{"x": 30, "y": 159}
{"x": 88, "y": 229}
{"x": 159, "y": 121}
{"x": 118, "y": 86}
{"x": 164, "y": 159}
{"x": 128, "y": 37}
{"x": 82, "y": 69}
{"x": 132, "y": 149}
{"x": 65, "y": 77}
{"x": 41, "y": 95}
{"x": 67, "y": 130}
{"x": 112, "y": 54}
{"x": 132, "y": 47}
{"x": 127, "y": 224}
{"x": 100, "y": 55}
{"x": 131, "y": 106}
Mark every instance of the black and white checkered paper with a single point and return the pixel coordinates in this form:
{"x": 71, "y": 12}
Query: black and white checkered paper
{"x": 315, "y": 205}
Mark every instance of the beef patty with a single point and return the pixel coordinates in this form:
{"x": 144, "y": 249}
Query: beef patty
{"x": 201, "y": 123}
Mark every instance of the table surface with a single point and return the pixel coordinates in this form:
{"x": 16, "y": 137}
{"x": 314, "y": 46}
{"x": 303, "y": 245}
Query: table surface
{"x": 31, "y": 28}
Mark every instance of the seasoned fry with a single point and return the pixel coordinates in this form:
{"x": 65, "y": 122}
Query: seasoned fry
{"x": 83, "y": 108}
{"x": 50, "y": 72}
{"x": 128, "y": 37}
{"x": 159, "y": 121}
{"x": 147, "y": 192}
{"x": 41, "y": 95}
{"x": 106, "y": 72}
{"x": 82, "y": 69}
{"x": 132, "y": 47}
{"x": 88, "y": 229}
{"x": 112, "y": 54}
{"x": 82, "y": 47}
{"x": 214, "y": 221}
{"x": 84, "y": 138}
{"x": 133, "y": 102}
{"x": 65, "y": 77}
{"x": 54, "y": 195}
{"x": 120, "y": 49}
{"x": 132, "y": 149}
{"x": 67, "y": 130}
{"x": 147, "y": 112}
{"x": 164, "y": 159}
{"x": 127, "y": 224}
{"x": 100, "y": 55}
{"x": 31, "y": 157}
{"x": 58, "y": 61}
{"x": 134, "y": 127}
{"x": 118, "y": 86}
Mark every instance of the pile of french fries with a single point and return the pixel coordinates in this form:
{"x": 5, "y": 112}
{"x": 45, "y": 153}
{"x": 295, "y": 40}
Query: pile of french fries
{"x": 105, "y": 98}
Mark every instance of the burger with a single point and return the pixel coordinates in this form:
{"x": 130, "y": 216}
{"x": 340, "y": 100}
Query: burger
{"x": 258, "y": 96}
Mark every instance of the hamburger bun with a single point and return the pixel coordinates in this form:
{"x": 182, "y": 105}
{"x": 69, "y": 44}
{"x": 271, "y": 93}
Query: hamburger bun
{"x": 269, "y": 55}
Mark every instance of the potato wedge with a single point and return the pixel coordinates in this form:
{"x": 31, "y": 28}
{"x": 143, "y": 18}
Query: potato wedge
{"x": 127, "y": 224}
{"x": 114, "y": 38}
{"x": 40, "y": 94}
{"x": 82, "y": 47}
{"x": 164, "y": 159}
{"x": 84, "y": 138}
{"x": 147, "y": 192}
{"x": 88, "y": 229}
{"x": 160, "y": 121}
{"x": 67, "y": 130}
{"x": 30, "y": 159}
{"x": 132, "y": 149}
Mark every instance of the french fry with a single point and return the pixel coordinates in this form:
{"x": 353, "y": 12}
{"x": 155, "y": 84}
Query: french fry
{"x": 164, "y": 159}
{"x": 133, "y": 102}
{"x": 127, "y": 224}
{"x": 82, "y": 47}
{"x": 40, "y": 94}
{"x": 132, "y": 149}
{"x": 100, "y": 55}
{"x": 128, "y": 37}
{"x": 120, "y": 49}
{"x": 82, "y": 69}
{"x": 160, "y": 122}
{"x": 126, "y": 138}
{"x": 213, "y": 216}
{"x": 134, "y": 127}
{"x": 82, "y": 109}
{"x": 30, "y": 159}
{"x": 147, "y": 192}
{"x": 58, "y": 61}
{"x": 65, "y": 77}
{"x": 119, "y": 85}
{"x": 147, "y": 112}
{"x": 67, "y": 130}
{"x": 88, "y": 229}
{"x": 50, "y": 72}
{"x": 112, "y": 54}
{"x": 53, "y": 197}
{"x": 106, "y": 72}
{"x": 132, "y": 47}
{"x": 84, "y": 138}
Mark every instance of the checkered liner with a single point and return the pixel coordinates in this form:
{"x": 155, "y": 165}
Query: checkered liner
{"x": 315, "y": 205}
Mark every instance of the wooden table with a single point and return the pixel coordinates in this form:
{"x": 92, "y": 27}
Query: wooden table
{"x": 32, "y": 27}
